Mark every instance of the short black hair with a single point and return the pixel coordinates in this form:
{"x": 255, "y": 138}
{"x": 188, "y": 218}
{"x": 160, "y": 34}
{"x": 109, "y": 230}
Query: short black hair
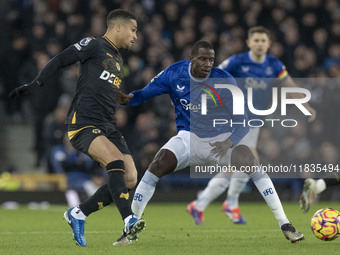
{"x": 119, "y": 14}
{"x": 200, "y": 44}
{"x": 258, "y": 29}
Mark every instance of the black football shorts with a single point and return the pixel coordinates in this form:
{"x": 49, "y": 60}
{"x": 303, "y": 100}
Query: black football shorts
{"x": 81, "y": 136}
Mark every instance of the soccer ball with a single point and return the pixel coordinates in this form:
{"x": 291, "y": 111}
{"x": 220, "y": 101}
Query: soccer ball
{"x": 325, "y": 224}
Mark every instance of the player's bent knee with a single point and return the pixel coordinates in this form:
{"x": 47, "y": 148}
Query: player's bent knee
{"x": 164, "y": 163}
{"x": 130, "y": 178}
{"x": 242, "y": 156}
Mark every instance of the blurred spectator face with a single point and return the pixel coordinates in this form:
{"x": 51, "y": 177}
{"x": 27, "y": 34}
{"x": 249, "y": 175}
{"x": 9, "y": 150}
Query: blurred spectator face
{"x": 148, "y": 74}
{"x": 202, "y": 63}
{"x": 187, "y": 22}
{"x": 134, "y": 63}
{"x": 42, "y": 60}
{"x": 278, "y": 15}
{"x": 329, "y": 153}
{"x": 336, "y": 29}
{"x": 171, "y": 11}
{"x": 272, "y": 150}
{"x": 39, "y": 31}
{"x": 157, "y": 23}
{"x": 258, "y": 43}
{"x": 60, "y": 28}
{"x": 320, "y": 36}
{"x": 167, "y": 61}
{"x": 180, "y": 40}
{"x": 334, "y": 51}
{"x": 226, "y": 5}
{"x": 19, "y": 43}
{"x": 230, "y": 19}
{"x": 53, "y": 48}
{"x": 207, "y": 25}
{"x": 97, "y": 25}
{"x": 292, "y": 36}
{"x": 309, "y": 20}
{"x": 121, "y": 117}
{"x": 277, "y": 50}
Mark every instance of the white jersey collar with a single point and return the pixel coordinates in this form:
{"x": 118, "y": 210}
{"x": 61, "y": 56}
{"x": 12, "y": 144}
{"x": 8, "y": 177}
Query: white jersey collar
{"x": 251, "y": 58}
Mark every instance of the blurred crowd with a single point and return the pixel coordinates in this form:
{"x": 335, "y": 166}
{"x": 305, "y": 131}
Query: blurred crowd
{"x": 305, "y": 37}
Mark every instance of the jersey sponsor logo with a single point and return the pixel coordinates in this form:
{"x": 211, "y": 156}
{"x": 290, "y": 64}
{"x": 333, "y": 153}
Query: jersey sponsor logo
{"x": 180, "y": 89}
{"x": 96, "y": 131}
{"x": 111, "y": 78}
{"x": 269, "y": 70}
{"x": 245, "y": 69}
{"x": 189, "y": 106}
{"x": 254, "y": 83}
{"x": 85, "y": 41}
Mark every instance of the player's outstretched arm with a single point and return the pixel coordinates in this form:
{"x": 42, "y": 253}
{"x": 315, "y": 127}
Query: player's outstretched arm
{"x": 290, "y": 83}
{"x": 63, "y": 59}
{"x": 24, "y": 90}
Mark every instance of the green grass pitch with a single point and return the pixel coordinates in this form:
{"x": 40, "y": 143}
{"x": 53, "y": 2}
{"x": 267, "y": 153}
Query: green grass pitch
{"x": 169, "y": 230}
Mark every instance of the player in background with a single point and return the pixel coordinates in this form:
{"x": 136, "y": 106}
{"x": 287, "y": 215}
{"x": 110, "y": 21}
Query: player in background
{"x": 312, "y": 188}
{"x": 91, "y": 121}
{"x": 206, "y": 145}
{"x": 259, "y": 71}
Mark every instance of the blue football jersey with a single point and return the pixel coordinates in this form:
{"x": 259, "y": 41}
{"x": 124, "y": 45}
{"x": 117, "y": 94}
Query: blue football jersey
{"x": 258, "y": 76}
{"x": 186, "y": 94}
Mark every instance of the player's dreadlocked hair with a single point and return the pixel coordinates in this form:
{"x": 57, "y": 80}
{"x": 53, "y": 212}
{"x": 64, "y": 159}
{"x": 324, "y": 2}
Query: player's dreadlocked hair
{"x": 118, "y": 14}
{"x": 200, "y": 44}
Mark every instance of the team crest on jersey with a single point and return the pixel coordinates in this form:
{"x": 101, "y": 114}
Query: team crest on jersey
{"x": 118, "y": 66}
{"x": 110, "y": 65}
{"x": 245, "y": 69}
{"x": 269, "y": 71}
{"x": 180, "y": 89}
{"x": 96, "y": 131}
{"x": 85, "y": 41}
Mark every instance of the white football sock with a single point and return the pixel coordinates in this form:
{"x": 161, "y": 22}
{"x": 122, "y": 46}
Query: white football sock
{"x": 144, "y": 193}
{"x": 77, "y": 213}
{"x": 265, "y": 186}
{"x": 216, "y": 186}
{"x": 237, "y": 183}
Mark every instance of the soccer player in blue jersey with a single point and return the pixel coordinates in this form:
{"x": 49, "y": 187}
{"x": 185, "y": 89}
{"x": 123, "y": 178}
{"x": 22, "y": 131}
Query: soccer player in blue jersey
{"x": 260, "y": 71}
{"x": 196, "y": 141}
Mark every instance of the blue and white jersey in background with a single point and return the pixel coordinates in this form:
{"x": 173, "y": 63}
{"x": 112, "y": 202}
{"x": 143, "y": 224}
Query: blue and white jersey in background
{"x": 259, "y": 76}
{"x": 185, "y": 92}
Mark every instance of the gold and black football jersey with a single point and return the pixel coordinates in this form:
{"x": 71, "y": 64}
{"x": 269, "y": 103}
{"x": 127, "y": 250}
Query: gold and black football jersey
{"x": 101, "y": 74}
